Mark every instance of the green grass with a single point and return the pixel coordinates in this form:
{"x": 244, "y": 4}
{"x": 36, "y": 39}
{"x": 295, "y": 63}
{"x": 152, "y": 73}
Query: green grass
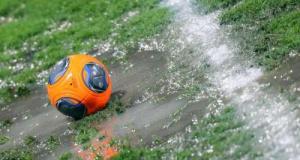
{"x": 69, "y": 156}
{"x": 222, "y": 134}
{"x": 144, "y": 25}
{"x": 30, "y": 141}
{"x": 3, "y": 139}
{"x": 251, "y": 11}
{"x": 52, "y": 142}
{"x": 269, "y": 27}
{"x": 85, "y": 130}
{"x": 16, "y": 154}
{"x": 130, "y": 153}
{"x": 43, "y": 32}
{"x": 217, "y": 4}
{"x": 29, "y": 147}
{"x": 5, "y": 124}
{"x": 66, "y": 156}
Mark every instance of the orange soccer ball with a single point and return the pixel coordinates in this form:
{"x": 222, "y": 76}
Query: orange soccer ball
{"x": 79, "y": 85}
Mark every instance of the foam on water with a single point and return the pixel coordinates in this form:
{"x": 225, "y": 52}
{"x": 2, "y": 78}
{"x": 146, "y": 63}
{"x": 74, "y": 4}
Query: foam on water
{"x": 265, "y": 111}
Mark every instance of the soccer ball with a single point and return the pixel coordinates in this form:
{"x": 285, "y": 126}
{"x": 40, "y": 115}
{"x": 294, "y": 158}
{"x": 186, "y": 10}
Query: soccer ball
{"x": 79, "y": 85}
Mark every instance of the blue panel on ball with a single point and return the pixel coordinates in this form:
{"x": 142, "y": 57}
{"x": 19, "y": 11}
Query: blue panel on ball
{"x": 58, "y": 71}
{"x": 71, "y": 107}
{"x": 95, "y": 77}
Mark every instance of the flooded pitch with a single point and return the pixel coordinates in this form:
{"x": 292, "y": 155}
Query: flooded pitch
{"x": 191, "y": 70}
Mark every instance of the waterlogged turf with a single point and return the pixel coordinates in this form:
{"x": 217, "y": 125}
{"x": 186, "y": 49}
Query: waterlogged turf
{"x": 34, "y": 35}
{"x": 84, "y": 129}
{"x": 217, "y": 136}
{"x": 211, "y": 5}
{"x": 270, "y": 28}
{"x": 52, "y": 30}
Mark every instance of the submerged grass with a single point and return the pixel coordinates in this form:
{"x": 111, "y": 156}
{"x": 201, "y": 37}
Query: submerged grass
{"x": 223, "y": 136}
{"x": 271, "y": 28}
{"x": 66, "y": 156}
{"x": 5, "y": 124}
{"x": 85, "y": 129}
{"x": 29, "y": 147}
{"x": 3, "y": 139}
{"x": 52, "y": 142}
{"x": 129, "y": 153}
{"x": 16, "y": 154}
{"x": 69, "y": 156}
{"x": 43, "y": 32}
{"x": 219, "y": 136}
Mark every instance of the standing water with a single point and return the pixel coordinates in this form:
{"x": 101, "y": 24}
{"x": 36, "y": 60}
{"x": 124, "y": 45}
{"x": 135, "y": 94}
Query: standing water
{"x": 272, "y": 117}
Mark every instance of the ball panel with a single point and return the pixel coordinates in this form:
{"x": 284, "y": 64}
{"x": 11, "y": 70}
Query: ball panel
{"x": 58, "y": 71}
{"x": 94, "y": 77}
{"x": 71, "y": 107}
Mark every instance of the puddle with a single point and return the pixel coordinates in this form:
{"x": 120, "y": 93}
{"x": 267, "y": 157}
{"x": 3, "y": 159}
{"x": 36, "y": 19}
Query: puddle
{"x": 143, "y": 121}
{"x": 285, "y": 78}
{"x": 33, "y": 116}
{"x": 146, "y": 68}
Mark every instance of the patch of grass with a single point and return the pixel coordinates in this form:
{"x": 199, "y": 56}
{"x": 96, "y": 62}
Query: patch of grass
{"x": 217, "y": 4}
{"x": 29, "y": 148}
{"x": 52, "y": 142}
{"x": 66, "y": 156}
{"x": 4, "y": 72}
{"x": 16, "y": 154}
{"x": 3, "y": 139}
{"x": 191, "y": 91}
{"x": 85, "y": 129}
{"x": 8, "y": 7}
{"x": 281, "y": 35}
{"x": 218, "y": 136}
{"x": 145, "y": 24}
{"x": 11, "y": 37}
{"x": 6, "y": 95}
{"x": 270, "y": 28}
{"x": 129, "y": 153}
{"x": 44, "y": 32}
{"x": 223, "y": 136}
{"x": 84, "y": 135}
{"x": 30, "y": 141}
{"x": 5, "y": 124}
{"x": 252, "y": 11}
